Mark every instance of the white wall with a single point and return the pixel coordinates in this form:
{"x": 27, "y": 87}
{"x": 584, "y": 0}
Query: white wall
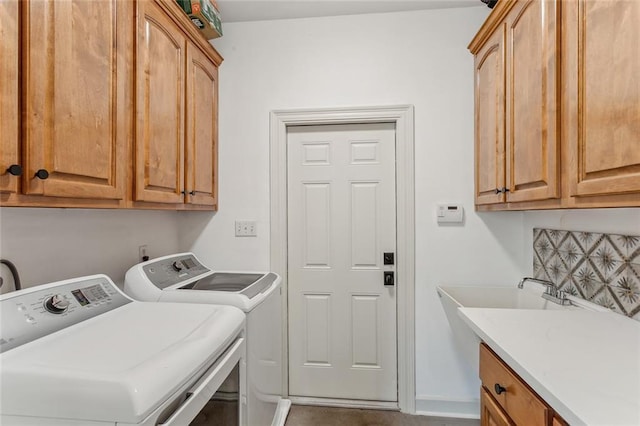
{"x": 49, "y": 245}
{"x": 417, "y": 58}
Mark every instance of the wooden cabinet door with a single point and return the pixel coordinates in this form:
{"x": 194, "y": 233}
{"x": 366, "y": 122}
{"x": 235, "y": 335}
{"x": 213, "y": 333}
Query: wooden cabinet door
{"x": 74, "y": 84}
{"x": 490, "y": 413}
{"x": 9, "y": 112}
{"x": 603, "y": 73}
{"x": 533, "y": 153}
{"x": 202, "y": 130}
{"x": 490, "y": 113}
{"x": 159, "y": 152}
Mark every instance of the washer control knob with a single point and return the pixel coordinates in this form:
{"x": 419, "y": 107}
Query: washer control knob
{"x": 177, "y": 266}
{"x": 56, "y": 304}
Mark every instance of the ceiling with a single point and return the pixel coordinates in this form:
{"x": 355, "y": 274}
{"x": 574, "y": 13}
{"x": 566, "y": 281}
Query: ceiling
{"x": 262, "y": 10}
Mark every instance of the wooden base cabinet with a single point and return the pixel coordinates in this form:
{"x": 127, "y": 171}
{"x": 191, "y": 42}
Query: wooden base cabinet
{"x": 505, "y": 399}
{"x": 566, "y": 133}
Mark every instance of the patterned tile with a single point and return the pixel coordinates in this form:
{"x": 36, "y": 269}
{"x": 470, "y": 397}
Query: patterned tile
{"x": 602, "y": 268}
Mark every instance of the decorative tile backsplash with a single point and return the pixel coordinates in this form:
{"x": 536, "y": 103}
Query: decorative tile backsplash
{"x": 601, "y": 268}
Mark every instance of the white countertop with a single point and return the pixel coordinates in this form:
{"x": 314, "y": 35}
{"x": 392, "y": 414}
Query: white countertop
{"x": 584, "y": 364}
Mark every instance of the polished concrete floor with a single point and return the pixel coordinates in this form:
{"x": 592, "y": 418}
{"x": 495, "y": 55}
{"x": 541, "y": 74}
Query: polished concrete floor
{"x": 301, "y": 415}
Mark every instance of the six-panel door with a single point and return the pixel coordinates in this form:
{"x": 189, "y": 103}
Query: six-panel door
{"x": 341, "y": 219}
{"x": 160, "y": 80}
{"x": 76, "y": 128}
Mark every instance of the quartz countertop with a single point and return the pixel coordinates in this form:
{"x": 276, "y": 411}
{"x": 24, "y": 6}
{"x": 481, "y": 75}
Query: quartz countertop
{"x": 584, "y": 364}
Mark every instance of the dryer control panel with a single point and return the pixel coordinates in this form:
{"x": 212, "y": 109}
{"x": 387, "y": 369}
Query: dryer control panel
{"x": 35, "y": 312}
{"x": 172, "y": 270}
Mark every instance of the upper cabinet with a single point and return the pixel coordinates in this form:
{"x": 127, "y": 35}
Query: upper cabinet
{"x": 106, "y": 104}
{"x": 603, "y": 77}
{"x": 177, "y": 110}
{"x": 159, "y": 164}
{"x": 10, "y": 164}
{"x": 76, "y": 77}
{"x": 532, "y": 102}
{"x": 490, "y": 116}
{"x": 566, "y": 133}
{"x": 201, "y": 145}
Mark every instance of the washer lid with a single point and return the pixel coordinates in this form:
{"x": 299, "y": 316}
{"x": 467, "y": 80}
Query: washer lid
{"x": 119, "y": 366}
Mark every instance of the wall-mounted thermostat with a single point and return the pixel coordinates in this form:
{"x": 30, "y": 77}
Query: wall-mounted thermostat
{"x": 450, "y": 213}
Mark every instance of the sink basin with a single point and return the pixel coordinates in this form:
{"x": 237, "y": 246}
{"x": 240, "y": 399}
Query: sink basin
{"x": 454, "y": 297}
{"x": 497, "y": 297}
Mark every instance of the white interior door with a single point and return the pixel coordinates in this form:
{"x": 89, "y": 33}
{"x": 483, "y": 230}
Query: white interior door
{"x": 341, "y": 219}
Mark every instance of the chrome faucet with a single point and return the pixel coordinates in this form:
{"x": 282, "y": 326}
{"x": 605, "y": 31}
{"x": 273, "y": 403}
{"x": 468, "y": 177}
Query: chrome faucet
{"x": 551, "y": 291}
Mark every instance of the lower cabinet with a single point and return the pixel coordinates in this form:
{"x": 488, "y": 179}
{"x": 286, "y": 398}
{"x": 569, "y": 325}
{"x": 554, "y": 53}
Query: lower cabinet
{"x": 506, "y": 399}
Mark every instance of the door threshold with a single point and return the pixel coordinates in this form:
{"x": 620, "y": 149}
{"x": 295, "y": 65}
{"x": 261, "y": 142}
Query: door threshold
{"x": 344, "y": 403}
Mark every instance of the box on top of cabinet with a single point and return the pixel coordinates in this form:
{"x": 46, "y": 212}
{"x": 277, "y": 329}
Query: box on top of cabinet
{"x": 204, "y": 15}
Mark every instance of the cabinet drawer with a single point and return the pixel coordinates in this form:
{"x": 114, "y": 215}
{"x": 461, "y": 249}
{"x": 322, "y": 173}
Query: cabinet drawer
{"x": 523, "y": 406}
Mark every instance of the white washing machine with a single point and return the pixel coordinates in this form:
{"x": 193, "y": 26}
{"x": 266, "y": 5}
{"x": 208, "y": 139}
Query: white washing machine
{"x": 183, "y": 278}
{"x": 81, "y": 353}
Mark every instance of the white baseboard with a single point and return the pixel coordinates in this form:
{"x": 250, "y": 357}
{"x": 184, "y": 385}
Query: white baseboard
{"x": 344, "y": 403}
{"x": 427, "y": 405}
{"x": 282, "y": 411}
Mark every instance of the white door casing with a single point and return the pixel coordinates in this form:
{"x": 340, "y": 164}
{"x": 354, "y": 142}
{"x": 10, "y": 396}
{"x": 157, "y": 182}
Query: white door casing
{"x": 341, "y": 210}
{"x": 403, "y": 117}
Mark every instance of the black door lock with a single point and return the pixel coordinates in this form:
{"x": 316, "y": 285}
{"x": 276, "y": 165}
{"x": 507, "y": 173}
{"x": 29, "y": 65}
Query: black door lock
{"x": 388, "y": 258}
{"x": 389, "y": 278}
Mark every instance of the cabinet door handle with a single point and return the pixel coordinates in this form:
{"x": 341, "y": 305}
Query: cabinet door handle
{"x": 42, "y": 174}
{"x": 505, "y": 189}
{"x": 499, "y": 389}
{"x": 498, "y": 190}
{"x": 15, "y": 170}
{"x": 192, "y": 192}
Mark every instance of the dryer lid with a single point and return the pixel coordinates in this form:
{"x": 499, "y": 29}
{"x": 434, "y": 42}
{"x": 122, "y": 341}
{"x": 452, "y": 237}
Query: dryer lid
{"x": 119, "y": 366}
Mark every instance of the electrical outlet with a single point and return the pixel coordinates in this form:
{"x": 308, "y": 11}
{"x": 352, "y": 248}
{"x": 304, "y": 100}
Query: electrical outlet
{"x": 142, "y": 253}
{"x": 246, "y": 228}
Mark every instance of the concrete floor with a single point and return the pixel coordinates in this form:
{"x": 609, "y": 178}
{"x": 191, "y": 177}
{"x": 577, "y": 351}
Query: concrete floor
{"x": 301, "y": 415}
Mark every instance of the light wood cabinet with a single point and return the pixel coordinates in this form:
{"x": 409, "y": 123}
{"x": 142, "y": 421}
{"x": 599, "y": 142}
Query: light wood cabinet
{"x": 490, "y": 412}
{"x": 490, "y": 115}
{"x": 76, "y": 129}
{"x": 505, "y": 399}
{"x": 159, "y": 163}
{"x": 107, "y": 104}
{"x": 603, "y": 76}
{"x": 9, "y": 110}
{"x": 532, "y": 102}
{"x": 571, "y": 85}
{"x": 516, "y": 106}
{"x": 201, "y": 147}
{"x": 176, "y": 145}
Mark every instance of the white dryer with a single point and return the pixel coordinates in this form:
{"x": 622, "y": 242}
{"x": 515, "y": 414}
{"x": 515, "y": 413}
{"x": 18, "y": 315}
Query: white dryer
{"x": 183, "y": 278}
{"x": 81, "y": 353}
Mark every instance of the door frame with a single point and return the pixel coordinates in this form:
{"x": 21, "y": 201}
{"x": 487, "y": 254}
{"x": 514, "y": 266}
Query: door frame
{"x": 403, "y": 118}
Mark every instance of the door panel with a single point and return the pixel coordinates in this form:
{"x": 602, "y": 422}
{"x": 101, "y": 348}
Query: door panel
{"x": 606, "y": 158}
{"x": 74, "y": 93}
{"x": 532, "y": 100}
{"x": 160, "y": 110}
{"x": 341, "y": 207}
{"x": 490, "y": 113}
{"x": 9, "y": 111}
{"x": 202, "y": 131}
